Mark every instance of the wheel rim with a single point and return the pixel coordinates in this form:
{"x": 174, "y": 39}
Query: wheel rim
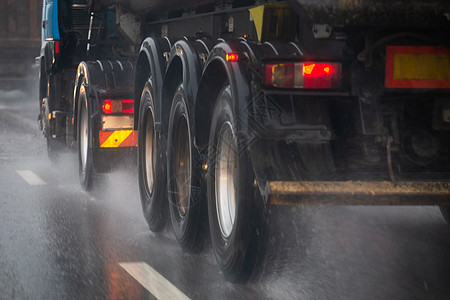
{"x": 84, "y": 135}
{"x": 224, "y": 179}
{"x": 149, "y": 155}
{"x": 182, "y": 160}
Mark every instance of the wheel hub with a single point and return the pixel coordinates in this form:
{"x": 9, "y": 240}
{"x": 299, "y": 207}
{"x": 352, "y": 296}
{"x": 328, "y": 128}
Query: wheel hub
{"x": 150, "y": 152}
{"x": 84, "y": 135}
{"x": 224, "y": 179}
{"x": 182, "y": 165}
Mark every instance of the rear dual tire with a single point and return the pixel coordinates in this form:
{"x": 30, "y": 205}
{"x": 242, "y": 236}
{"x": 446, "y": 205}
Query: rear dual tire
{"x": 151, "y": 171}
{"x": 235, "y": 214}
{"x": 180, "y": 185}
{"x": 54, "y": 149}
{"x": 184, "y": 176}
{"x": 48, "y": 104}
{"x": 233, "y": 205}
{"x": 85, "y": 140}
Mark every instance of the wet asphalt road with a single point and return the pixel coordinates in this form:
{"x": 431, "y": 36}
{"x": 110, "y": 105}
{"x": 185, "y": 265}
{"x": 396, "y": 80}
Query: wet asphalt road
{"x": 58, "y": 242}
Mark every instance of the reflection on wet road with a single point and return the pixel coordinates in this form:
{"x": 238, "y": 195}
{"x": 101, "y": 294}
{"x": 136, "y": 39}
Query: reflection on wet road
{"x": 58, "y": 242}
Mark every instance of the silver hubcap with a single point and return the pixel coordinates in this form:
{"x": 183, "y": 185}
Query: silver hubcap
{"x": 224, "y": 179}
{"x": 150, "y": 152}
{"x": 182, "y": 165}
{"x": 84, "y": 135}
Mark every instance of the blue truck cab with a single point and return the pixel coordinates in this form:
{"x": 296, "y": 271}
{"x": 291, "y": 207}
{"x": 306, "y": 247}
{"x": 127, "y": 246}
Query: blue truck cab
{"x": 50, "y": 36}
{"x": 50, "y": 42}
{"x": 50, "y": 29}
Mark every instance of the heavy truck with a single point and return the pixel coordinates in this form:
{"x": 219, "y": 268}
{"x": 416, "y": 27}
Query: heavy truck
{"x": 231, "y": 106}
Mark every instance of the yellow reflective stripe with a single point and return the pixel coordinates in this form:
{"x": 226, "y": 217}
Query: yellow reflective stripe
{"x": 116, "y": 138}
{"x": 422, "y": 66}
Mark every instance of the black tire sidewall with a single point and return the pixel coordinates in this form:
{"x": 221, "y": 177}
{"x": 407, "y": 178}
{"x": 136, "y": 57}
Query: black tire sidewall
{"x": 186, "y": 227}
{"x": 53, "y": 146}
{"x": 86, "y": 174}
{"x": 445, "y": 211}
{"x": 53, "y": 149}
{"x": 49, "y": 105}
{"x": 152, "y": 201}
{"x": 235, "y": 254}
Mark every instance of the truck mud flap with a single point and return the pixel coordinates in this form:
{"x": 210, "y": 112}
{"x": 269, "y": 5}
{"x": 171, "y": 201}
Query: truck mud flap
{"x": 107, "y": 160}
{"x": 357, "y": 193}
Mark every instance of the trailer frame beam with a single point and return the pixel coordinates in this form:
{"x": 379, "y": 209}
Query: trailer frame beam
{"x": 357, "y": 193}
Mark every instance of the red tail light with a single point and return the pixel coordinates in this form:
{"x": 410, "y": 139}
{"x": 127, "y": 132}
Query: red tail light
{"x": 117, "y": 106}
{"x": 307, "y": 75}
{"x": 128, "y": 106}
{"x": 317, "y": 70}
{"x": 56, "y": 47}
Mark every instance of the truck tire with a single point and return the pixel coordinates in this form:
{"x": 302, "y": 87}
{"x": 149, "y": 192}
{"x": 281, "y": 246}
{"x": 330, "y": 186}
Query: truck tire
{"x": 84, "y": 134}
{"x": 48, "y": 105}
{"x": 53, "y": 149}
{"x": 184, "y": 175}
{"x": 445, "y": 211}
{"x": 152, "y": 178}
{"x": 232, "y": 194}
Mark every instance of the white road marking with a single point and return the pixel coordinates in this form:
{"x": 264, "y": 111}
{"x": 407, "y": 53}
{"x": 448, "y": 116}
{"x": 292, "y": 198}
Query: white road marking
{"x": 154, "y": 282}
{"x": 30, "y": 177}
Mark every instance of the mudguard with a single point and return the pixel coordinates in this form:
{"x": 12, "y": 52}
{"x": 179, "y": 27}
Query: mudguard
{"x": 216, "y": 73}
{"x": 185, "y": 57}
{"x": 102, "y": 78}
{"x": 151, "y": 62}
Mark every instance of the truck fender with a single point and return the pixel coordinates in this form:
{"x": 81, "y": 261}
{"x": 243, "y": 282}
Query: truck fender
{"x": 217, "y": 72}
{"x": 106, "y": 77}
{"x": 184, "y": 66}
{"x": 150, "y": 66}
{"x": 179, "y": 94}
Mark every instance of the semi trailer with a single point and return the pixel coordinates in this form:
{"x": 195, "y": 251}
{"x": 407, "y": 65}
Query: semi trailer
{"x": 229, "y": 107}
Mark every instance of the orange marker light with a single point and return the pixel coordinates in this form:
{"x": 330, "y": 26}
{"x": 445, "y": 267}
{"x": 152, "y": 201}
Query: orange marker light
{"x": 118, "y": 106}
{"x": 107, "y": 107}
{"x": 232, "y": 57}
{"x": 308, "y": 69}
